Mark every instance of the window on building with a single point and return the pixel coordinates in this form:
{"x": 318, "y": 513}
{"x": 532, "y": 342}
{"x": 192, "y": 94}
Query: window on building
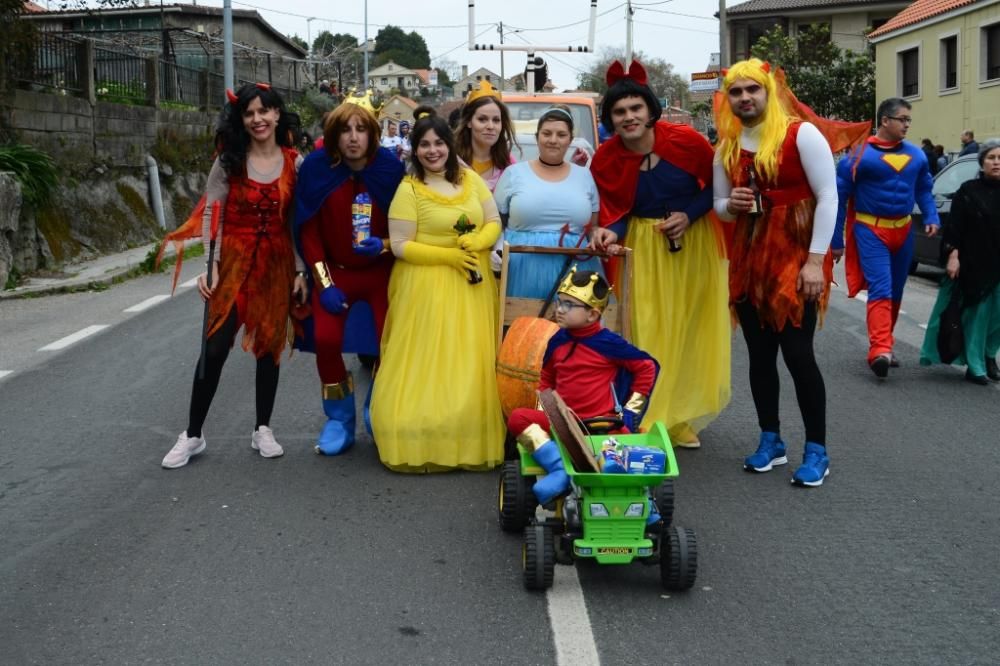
{"x": 385, "y": 80}
{"x": 908, "y": 72}
{"x": 478, "y": 77}
{"x": 949, "y": 62}
{"x": 990, "y": 54}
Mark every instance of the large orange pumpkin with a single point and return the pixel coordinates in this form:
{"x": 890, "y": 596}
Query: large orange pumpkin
{"x": 519, "y": 366}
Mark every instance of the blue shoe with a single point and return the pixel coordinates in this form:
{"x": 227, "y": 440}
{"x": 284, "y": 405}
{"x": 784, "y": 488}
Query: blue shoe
{"x": 556, "y": 481}
{"x": 814, "y": 468}
{"x": 770, "y": 452}
{"x": 338, "y": 432}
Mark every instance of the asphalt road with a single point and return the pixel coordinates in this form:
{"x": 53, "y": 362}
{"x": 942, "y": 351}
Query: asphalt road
{"x": 234, "y": 559}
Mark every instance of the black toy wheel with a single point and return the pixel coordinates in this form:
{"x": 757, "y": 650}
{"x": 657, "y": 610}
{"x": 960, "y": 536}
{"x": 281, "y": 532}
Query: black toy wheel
{"x": 663, "y": 497}
{"x": 516, "y": 501}
{"x": 538, "y": 557}
{"x": 678, "y": 558}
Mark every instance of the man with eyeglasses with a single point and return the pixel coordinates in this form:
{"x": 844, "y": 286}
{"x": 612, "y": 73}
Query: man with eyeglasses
{"x": 877, "y": 185}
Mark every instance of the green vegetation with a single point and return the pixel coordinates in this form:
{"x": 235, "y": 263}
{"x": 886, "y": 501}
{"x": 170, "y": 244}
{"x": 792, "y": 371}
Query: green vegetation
{"x": 835, "y": 82}
{"x": 183, "y": 153}
{"x": 121, "y": 93}
{"x": 311, "y": 107}
{"x": 14, "y": 278}
{"x": 33, "y": 169}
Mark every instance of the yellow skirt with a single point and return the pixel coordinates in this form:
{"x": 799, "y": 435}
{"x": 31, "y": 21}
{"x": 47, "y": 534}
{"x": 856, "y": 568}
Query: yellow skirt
{"x": 435, "y": 405}
{"x": 680, "y": 316}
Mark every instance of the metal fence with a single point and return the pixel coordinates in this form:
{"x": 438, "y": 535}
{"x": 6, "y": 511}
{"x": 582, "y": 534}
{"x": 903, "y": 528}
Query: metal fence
{"x": 182, "y": 85}
{"x": 54, "y": 63}
{"x": 119, "y": 77}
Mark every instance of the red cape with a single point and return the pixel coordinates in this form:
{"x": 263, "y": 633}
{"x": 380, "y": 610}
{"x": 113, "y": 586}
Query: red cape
{"x": 616, "y": 169}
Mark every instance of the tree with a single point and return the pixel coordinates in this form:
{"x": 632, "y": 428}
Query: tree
{"x": 327, "y": 44}
{"x": 448, "y": 71}
{"x": 662, "y": 80}
{"x": 18, "y": 43}
{"x": 406, "y": 49}
{"x": 298, "y": 41}
{"x": 835, "y": 82}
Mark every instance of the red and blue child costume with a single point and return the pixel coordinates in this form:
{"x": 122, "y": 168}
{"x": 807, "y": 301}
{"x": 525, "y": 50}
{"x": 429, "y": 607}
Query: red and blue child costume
{"x": 878, "y": 183}
{"x": 582, "y": 365}
{"x": 344, "y": 277}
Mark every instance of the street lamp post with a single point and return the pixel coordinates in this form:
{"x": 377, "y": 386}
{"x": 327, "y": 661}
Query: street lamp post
{"x": 309, "y": 41}
{"x": 365, "y": 83}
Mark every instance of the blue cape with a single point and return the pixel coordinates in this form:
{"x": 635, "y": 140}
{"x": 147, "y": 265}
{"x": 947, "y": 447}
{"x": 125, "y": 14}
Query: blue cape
{"x": 609, "y": 345}
{"x": 316, "y": 181}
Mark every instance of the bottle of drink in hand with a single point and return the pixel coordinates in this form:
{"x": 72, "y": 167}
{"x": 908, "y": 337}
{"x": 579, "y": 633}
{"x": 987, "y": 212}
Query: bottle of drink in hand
{"x": 361, "y": 218}
{"x": 757, "y": 208}
{"x": 463, "y": 226}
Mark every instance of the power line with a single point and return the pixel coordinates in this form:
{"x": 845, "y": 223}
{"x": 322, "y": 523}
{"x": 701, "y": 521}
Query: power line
{"x": 491, "y": 27}
{"x": 664, "y": 11}
{"x": 674, "y": 27}
{"x": 359, "y": 23}
{"x": 568, "y": 25}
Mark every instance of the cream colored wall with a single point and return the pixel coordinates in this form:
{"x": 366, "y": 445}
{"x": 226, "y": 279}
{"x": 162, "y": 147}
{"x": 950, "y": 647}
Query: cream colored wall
{"x": 942, "y": 116}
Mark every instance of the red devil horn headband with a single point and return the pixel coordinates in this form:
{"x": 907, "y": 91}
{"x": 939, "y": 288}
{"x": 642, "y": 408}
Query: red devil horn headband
{"x": 231, "y": 96}
{"x": 617, "y": 72}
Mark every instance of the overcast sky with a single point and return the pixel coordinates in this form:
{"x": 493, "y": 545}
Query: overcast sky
{"x": 682, "y": 32}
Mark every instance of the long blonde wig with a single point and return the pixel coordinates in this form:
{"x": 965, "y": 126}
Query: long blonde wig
{"x": 773, "y": 128}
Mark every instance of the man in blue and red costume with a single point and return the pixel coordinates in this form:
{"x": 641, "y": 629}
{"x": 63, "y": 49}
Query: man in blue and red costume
{"x": 877, "y": 184}
{"x": 350, "y": 171}
{"x": 582, "y": 361}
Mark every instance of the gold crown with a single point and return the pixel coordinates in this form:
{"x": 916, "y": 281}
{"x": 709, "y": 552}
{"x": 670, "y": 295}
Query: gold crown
{"x": 364, "y": 101}
{"x": 586, "y": 292}
{"x": 486, "y": 89}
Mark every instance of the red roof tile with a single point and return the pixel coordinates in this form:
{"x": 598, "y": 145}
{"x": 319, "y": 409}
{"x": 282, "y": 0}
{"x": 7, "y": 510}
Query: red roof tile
{"x": 921, "y": 10}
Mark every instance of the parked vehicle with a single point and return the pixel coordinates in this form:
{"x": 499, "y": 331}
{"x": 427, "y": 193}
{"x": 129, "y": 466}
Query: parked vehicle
{"x": 946, "y": 182}
{"x": 525, "y": 110}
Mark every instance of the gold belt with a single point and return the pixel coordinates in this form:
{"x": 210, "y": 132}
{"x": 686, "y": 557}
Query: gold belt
{"x": 876, "y": 221}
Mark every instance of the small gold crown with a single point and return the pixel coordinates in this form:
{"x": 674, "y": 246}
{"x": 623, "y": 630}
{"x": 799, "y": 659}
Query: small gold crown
{"x": 364, "y": 101}
{"x": 486, "y": 89}
{"x": 586, "y": 292}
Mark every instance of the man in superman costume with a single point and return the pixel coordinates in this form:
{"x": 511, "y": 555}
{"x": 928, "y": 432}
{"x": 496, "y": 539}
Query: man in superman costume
{"x": 877, "y": 184}
{"x": 582, "y": 362}
{"x": 347, "y": 173}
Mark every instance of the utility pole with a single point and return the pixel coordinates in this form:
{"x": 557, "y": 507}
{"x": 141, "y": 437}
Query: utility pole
{"x": 628, "y": 34}
{"x": 365, "y": 84}
{"x": 502, "y": 78}
{"x": 227, "y": 44}
{"x": 723, "y": 36}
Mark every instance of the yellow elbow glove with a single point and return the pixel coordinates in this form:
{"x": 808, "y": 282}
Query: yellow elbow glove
{"x": 431, "y": 255}
{"x": 482, "y": 239}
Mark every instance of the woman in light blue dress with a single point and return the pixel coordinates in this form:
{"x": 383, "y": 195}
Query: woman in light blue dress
{"x": 548, "y": 202}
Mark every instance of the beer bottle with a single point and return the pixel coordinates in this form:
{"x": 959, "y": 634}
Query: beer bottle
{"x": 757, "y": 208}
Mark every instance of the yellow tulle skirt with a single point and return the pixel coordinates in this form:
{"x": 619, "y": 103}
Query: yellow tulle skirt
{"x": 435, "y": 405}
{"x": 680, "y": 316}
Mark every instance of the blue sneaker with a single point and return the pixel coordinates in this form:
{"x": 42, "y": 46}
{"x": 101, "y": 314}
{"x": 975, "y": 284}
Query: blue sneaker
{"x": 814, "y": 468}
{"x": 770, "y": 452}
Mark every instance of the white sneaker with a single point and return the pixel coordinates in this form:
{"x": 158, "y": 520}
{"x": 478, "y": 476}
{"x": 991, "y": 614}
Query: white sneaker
{"x": 263, "y": 441}
{"x": 183, "y": 450}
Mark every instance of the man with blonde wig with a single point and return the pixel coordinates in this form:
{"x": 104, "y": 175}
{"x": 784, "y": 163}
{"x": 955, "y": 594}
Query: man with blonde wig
{"x": 774, "y": 178}
{"x": 346, "y": 184}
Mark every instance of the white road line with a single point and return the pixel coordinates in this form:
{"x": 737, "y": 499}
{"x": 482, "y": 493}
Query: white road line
{"x": 571, "y": 630}
{"x": 148, "y": 303}
{"x": 190, "y": 283}
{"x": 4, "y": 373}
{"x": 70, "y": 339}
{"x": 923, "y": 326}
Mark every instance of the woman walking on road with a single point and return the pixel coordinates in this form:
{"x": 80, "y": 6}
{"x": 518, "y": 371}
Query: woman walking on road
{"x": 255, "y": 271}
{"x": 971, "y": 248}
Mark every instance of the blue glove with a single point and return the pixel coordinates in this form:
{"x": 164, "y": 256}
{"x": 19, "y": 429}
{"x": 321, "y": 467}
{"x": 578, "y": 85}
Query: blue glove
{"x": 333, "y": 300}
{"x": 370, "y": 247}
{"x": 631, "y": 420}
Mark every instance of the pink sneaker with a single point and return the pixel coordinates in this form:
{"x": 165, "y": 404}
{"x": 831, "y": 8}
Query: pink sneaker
{"x": 182, "y": 451}
{"x": 263, "y": 441}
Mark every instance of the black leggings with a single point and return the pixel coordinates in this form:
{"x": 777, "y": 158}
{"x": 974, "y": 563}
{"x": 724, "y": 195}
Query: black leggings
{"x": 216, "y": 352}
{"x": 797, "y": 350}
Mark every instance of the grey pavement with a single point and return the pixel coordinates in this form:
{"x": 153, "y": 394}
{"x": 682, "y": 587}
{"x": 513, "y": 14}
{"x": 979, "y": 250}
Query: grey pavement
{"x": 107, "y": 558}
{"x": 98, "y": 271}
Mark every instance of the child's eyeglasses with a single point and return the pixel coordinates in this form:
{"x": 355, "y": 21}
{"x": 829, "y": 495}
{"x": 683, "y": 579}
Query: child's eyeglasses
{"x": 566, "y": 306}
